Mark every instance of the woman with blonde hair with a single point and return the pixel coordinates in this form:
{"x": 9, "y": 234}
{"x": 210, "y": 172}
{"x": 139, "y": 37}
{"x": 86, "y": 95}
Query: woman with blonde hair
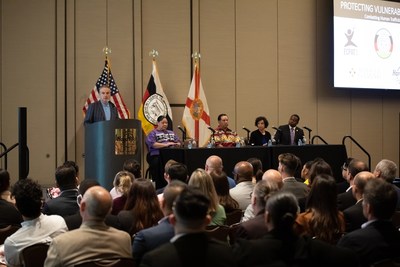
{"x": 125, "y": 180}
{"x": 203, "y": 181}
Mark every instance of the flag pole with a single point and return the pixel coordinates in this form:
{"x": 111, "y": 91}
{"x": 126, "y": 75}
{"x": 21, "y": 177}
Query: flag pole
{"x": 106, "y": 51}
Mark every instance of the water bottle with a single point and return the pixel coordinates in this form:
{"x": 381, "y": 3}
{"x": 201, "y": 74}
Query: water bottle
{"x": 209, "y": 145}
{"x": 299, "y": 143}
{"x": 194, "y": 144}
{"x": 190, "y": 144}
{"x": 269, "y": 142}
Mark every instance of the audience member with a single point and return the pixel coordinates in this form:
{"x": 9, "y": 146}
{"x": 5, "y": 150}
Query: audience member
{"x": 377, "y": 239}
{"x": 214, "y": 163}
{"x": 289, "y": 134}
{"x": 126, "y": 180}
{"x": 74, "y": 221}
{"x": 190, "y": 246}
{"x": 94, "y": 240}
{"x": 305, "y": 172}
{"x": 282, "y": 247}
{"x": 288, "y": 164}
{"x": 166, "y": 168}
{"x": 322, "y": 220}
{"x": 36, "y": 227}
{"x": 261, "y": 136}
{"x": 255, "y": 227}
{"x": 223, "y": 136}
{"x": 386, "y": 170}
{"x": 342, "y": 183}
{"x": 9, "y": 215}
{"x": 347, "y": 199}
{"x": 153, "y": 237}
{"x": 353, "y": 215}
{"x": 257, "y": 169}
{"x": 65, "y": 204}
{"x": 222, "y": 188}
{"x": 243, "y": 175}
{"x": 318, "y": 167}
{"x": 133, "y": 166}
{"x": 160, "y": 137}
{"x": 174, "y": 171}
{"x": 102, "y": 110}
{"x": 201, "y": 180}
{"x": 142, "y": 209}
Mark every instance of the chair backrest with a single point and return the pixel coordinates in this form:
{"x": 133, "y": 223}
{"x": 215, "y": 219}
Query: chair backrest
{"x": 234, "y": 216}
{"x": 6, "y": 232}
{"x": 219, "y": 232}
{"x": 120, "y": 262}
{"x": 232, "y": 233}
{"x": 35, "y": 255}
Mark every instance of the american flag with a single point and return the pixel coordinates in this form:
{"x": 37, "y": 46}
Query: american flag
{"x": 106, "y": 78}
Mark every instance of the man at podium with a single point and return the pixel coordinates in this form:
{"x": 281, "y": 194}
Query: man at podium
{"x": 102, "y": 110}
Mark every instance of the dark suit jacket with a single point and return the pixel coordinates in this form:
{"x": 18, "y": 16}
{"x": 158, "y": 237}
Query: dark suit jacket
{"x": 151, "y": 238}
{"x": 65, "y": 204}
{"x": 95, "y": 112}
{"x": 297, "y": 251}
{"x": 299, "y": 190}
{"x": 194, "y": 250}
{"x": 354, "y": 217}
{"x": 9, "y": 215}
{"x": 345, "y": 200}
{"x": 257, "y": 139}
{"x": 377, "y": 241}
{"x": 282, "y": 137}
{"x": 252, "y": 229}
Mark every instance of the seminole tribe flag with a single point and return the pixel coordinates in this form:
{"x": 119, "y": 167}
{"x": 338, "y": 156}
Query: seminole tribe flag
{"x": 154, "y": 104}
{"x": 106, "y": 78}
{"x": 196, "y": 118}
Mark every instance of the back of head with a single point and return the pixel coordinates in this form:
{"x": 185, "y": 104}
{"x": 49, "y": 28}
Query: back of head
{"x": 361, "y": 180}
{"x": 28, "y": 197}
{"x": 66, "y": 177}
{"x": 86, "y": 184}
{"x": 214, "y": 163}
{"x": 97, "y": 202}
{"x": 243, "y": 171}
{"x": 178, "y": 171}
{"x": 386, "y": 169}
{"x": 142, "y": 192}
{"x": 133, "y": 166}
{"x": 70, "y": 163}
{"x": 273, "y": 176}
{"x": 282, "y": 209}
{"x": 191, "y": 208}
{"x": 323, "y": 194}
{"x": 257, "y": 168}
{"x": 171, "y": 192}
{"x": 125, "y": 180}
{"x": 221, "y": 183}
{"x": 289, "y": 162}
{"x": 262, "y": 191}
{"x": 4, "y": 180}
{"x": 356, "y": 166}
{"x": 202, "y": 180}
{"x": 319, "y": 167}
{"x": 381, "y": 197}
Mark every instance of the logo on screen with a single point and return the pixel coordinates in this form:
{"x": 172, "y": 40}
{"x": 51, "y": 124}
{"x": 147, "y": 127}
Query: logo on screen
{"x": 350, "y": 48}
{"x": 396, "y": 74}
{"x": 383, "y": 43}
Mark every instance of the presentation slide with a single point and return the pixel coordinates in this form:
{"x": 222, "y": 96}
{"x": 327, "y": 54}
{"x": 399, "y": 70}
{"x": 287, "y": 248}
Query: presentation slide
{"x": 366, "y": 44}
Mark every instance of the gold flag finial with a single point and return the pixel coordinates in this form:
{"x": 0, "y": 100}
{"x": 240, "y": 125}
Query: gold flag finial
{"x": 196, "y": 56}
{"x": 106, "y": 51}
{"x": 153, "y": 53}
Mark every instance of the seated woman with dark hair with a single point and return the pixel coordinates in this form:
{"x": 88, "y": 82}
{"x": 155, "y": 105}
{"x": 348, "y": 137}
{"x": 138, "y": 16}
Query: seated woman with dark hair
{"x": 261, "y": 136}
{"x": 281, "y": 246}
{"x": 221, "y": 185}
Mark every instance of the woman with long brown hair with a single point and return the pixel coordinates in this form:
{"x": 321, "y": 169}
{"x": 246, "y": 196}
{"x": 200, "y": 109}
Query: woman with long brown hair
{"x": 142, "y": 209}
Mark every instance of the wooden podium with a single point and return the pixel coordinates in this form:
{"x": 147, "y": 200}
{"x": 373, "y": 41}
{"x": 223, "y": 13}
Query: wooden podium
{"x": 108, "y": 144}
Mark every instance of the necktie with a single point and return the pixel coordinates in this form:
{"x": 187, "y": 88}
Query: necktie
{"x": 292, "y": 135}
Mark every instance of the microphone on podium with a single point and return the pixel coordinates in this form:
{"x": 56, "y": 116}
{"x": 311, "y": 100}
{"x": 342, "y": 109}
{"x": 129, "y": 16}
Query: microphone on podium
{"x": 247, "y": 130}
{"x": 277, "y": 129}
{"x": 308, "y": 129}
{"x": 183, "y": 132}
{"x": 211, "y": 129}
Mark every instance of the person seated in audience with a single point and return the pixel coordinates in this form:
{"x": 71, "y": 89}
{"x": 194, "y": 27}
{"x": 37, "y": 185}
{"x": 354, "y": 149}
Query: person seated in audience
{"x": 166, "y": 168}
{"x": 377, "y": 239}
{"x": 65, "y": 204}
{"x": 214, "y": 163}
{"x": 223, "y": 136}
{"x": 222, "y": 188}
{"x": 9, "y": 215}
{"x": 261, "y": 136}
{"x": 257, "y": 169}
{"x": 288, "y": 164}
{"x": 94, "y": 240}
{"x": 243, "y": 175}
{"x": 148, "y": 239}
{"x": 272, "y": 176}
{"x": 353, "y": 215}
{"x": 36, "y": 227}
{"x": 346, "y": 199}
{"x": 343, "y": 185}
{"x": 202, "y": 180}
{"x": 142, "y": 208}
{"x": 174, "y": 171}
{"x": 130, "y": 165}
{"x": 305, "y": 172}
{"x": 282, "y": 247}
{"x": 125, "y": 179}
{"x": 321, "y": 220}
{"x": 386, "y": 170}
{"x": 74, "y": 221}
{"x": 256, "y": 227}
{"x": 190, "y": 246}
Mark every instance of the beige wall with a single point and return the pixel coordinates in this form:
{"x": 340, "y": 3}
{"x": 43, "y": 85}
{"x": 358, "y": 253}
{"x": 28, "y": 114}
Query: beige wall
{"x": 259, "y": 57}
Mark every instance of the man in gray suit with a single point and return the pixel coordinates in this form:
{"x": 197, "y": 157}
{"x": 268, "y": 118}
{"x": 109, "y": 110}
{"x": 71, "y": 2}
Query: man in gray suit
{"x": 102, "y": 110}
{"x": 94, "y": 240}
{"x": 288, "y": 163}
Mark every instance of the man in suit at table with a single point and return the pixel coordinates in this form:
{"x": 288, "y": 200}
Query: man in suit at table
{"x": 102, "y": 110}
{"x": 289, "y": 134}
{"x": 377, "y": 239}
{"x": 190, "y": 246}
